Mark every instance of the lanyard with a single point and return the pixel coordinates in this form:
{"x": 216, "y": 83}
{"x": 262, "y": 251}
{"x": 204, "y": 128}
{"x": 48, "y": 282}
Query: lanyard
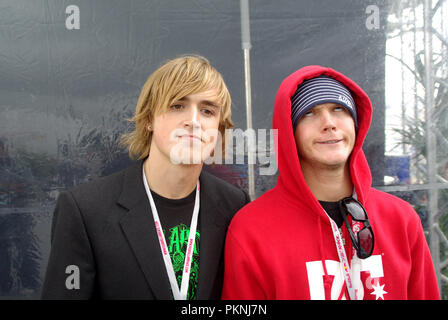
{"x": 182, "y": 293}
{"x": 352, "y": 283}
{"x": 352, "y": 291}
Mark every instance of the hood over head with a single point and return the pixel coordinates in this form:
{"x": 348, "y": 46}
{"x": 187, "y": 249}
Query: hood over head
{"x": 291, "y": 180}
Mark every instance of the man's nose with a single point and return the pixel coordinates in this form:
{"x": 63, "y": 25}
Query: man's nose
{"x": 328, "y": 122}
{"x": 192, "y": 119}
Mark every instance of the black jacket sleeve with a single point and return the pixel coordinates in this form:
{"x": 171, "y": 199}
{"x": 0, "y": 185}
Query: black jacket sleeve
{"x": 71, "y": 268}
{"x": 246, "y": 198}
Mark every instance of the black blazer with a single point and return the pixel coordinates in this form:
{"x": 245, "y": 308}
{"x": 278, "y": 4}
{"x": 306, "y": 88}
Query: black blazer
{"x": 106, "y": 229}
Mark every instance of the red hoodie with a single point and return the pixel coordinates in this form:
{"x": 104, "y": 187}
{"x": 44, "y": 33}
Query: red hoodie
{"x": 281, "y": 246}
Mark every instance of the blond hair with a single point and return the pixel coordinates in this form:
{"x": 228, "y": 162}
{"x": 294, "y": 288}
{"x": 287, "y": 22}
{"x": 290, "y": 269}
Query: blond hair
{"x": 174, "y": 80}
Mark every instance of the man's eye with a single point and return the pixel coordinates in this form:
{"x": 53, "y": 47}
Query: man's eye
{"x": 176, "y": 107}
{"x": 207, "y": 112}
{"x": 340, "y": 109}
{"x": 308, "y": 113}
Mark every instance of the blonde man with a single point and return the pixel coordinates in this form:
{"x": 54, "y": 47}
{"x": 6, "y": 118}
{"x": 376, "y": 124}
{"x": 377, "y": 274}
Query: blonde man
{"x": 156, "y": 229}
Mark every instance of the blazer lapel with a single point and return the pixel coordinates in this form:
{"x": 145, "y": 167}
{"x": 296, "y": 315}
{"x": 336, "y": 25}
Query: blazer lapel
{"x": 213, "y": 229}
{"x": 138, "y": 227}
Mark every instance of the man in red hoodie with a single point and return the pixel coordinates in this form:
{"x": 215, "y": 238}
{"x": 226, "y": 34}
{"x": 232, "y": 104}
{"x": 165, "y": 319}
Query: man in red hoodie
{"x": 323, "y": 232}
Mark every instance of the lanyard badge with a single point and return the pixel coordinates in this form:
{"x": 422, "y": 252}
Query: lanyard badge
{"x": 179, "y": 294}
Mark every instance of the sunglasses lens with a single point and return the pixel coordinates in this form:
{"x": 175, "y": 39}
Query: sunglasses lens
{"x": 365, "y": 239}
{"x": 355, "y": 210}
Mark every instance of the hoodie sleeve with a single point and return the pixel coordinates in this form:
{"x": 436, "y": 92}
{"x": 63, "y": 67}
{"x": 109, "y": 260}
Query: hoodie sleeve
{"x": 422, "y": 283}
{"x": 241, "y": 273}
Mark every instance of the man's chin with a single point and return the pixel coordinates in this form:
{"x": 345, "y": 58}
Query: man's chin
{"x": 187, "y": 160}
{"x": 187, "y": 156}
